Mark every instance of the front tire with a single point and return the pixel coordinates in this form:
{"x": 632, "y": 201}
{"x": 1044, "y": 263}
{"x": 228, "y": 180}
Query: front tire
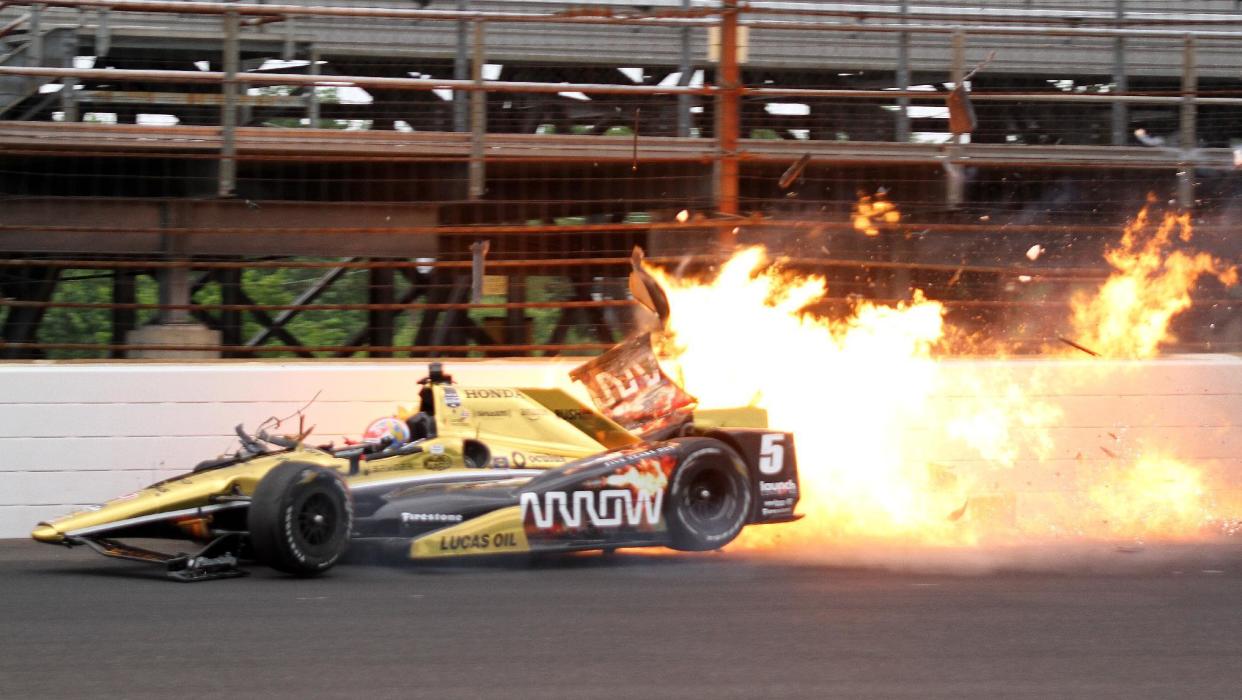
{"x": 709, "y": 498}
{"x": 300, "y": 519}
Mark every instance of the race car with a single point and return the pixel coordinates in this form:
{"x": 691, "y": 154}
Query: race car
{"x": 477, "y": 470}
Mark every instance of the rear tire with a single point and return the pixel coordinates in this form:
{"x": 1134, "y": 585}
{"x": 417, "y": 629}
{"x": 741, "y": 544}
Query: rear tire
{"x": 709, "y": 497}
{"x": 301, "y": 516}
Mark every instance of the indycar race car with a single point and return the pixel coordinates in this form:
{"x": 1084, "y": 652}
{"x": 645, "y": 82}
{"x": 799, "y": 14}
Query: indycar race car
{"x": 477, "y": 470}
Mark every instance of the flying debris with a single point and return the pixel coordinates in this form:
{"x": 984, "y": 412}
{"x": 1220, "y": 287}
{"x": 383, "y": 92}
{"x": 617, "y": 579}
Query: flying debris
{"x": 1148, "y": 140}
{"x": 1034, "y": 252}
{"x": 1076, "y": 346}
{"x": 794, "y": 171}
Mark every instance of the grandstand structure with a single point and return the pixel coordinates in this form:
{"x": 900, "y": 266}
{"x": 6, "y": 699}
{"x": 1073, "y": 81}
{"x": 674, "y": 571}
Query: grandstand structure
{"x": 462, "y": 177}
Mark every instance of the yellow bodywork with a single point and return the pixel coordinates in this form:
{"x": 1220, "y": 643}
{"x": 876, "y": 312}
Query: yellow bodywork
{"x": 498, "y": 532}
{"x": 522, "y": 428}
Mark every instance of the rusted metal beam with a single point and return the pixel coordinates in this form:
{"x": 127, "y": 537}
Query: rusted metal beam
{"x": 992, "y": 30}
{"x": 207, "y": 99}
{"x": 481, "y": 229}
{"x": 965, "y": 15}
{"x": 422, "y": 84}
{"x": 696, "y": 17}
{"x": 991, "y": 227}
{"x": 249, "y": 305}
{"x": 1064, "y": 20}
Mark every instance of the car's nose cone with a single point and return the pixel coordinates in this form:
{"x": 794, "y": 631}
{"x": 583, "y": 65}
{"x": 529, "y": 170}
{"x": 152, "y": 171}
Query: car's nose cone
{"x": 46, "y": 533}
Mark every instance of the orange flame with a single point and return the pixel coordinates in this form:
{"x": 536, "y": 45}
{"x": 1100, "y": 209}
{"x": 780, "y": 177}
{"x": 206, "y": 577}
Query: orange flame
{"x": 870, "y": 211}
{"x": 873, "y": 410}
{"x": 1155, "y": 495}
{"x": 848, "y": 389}
{"x": 1129, "y": 315}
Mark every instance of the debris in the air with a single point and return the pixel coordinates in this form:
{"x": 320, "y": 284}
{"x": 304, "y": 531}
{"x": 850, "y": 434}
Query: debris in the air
{"x": 1034, "y": 252}
{"x": 1024, "y": 278}
{"x": 1110, "y": 453}
{"x": 1147, "y": 139}
{"x": 794, "y": 171}
{"x": 1076, "y": 346}
{"x": 957, "y": 514}
{"x": 683, "y": 216}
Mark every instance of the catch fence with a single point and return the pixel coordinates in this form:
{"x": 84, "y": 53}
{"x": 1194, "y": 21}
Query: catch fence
{"x": 322, "y": 180}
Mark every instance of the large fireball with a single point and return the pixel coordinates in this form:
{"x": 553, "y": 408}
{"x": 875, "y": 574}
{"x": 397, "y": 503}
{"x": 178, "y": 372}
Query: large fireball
{"x": 875, "y": 399}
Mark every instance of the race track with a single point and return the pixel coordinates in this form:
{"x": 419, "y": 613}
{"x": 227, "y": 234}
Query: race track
{"x": 631, "y": 625}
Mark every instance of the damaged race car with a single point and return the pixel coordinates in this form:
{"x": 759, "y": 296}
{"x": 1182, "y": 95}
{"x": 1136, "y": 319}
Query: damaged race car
{"x": 477, "y": 470}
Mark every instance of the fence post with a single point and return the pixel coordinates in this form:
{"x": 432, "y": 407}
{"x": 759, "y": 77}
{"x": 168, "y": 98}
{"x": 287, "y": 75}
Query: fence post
{"x": 289, "y": 51}
{"x": 461, "y": 71}
{"x": 728, "y": 119}
{"x": 103, "y": 32}
{"x": 228, "y": 112}
{"x": 955, "y": 179}
{"x": 312, "y": 93}
{"x": 1121, "y": 82}
{"x": 903, "y": 78}
{"x": 478, "y": 115}
{"x": 684, "y": 122}
{"x": 69, "y": 100}
{"x": 1189, "y": 130}
{"x": 36, "y": 34}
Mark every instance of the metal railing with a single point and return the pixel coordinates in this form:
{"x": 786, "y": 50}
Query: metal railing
{"x": 714, "y": 123}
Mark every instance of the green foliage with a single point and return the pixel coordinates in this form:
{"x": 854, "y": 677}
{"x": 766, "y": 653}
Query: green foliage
{"x": 69, "y": 325}
{"x": 326, "y": 95}
{"x": 78, "y": 325}
{"x": 280, "y": 286}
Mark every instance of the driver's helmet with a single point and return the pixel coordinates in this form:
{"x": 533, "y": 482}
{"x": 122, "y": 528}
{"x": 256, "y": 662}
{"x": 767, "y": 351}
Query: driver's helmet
{"x": 393, "y": 428}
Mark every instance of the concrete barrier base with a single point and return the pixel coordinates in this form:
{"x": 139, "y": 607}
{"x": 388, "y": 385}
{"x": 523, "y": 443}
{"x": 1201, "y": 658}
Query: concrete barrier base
{"x": 160, "y": 336}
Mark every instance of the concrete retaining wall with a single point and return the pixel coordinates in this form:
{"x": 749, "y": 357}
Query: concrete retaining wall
{"x": 76, "y": 434}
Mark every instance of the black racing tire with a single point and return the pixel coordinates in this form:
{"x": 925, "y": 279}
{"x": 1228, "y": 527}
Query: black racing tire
{"x": 301, "y": 516}
{"x": 709, "y": 497}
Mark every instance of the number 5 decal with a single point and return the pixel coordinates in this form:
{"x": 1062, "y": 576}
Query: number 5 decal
{"x": 772, "y": 454}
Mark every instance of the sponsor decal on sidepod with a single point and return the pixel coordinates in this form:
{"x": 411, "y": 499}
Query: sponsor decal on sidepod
{"x": 606, "y": 508}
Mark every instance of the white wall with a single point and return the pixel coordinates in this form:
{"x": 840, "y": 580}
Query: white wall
{"x": 79, "y": 433}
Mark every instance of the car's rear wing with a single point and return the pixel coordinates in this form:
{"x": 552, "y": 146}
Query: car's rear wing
{"x": 627, "y": 385}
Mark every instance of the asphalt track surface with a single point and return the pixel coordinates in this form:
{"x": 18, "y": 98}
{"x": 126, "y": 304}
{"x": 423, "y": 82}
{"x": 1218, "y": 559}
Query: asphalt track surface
{"x": 627, "y": 626}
